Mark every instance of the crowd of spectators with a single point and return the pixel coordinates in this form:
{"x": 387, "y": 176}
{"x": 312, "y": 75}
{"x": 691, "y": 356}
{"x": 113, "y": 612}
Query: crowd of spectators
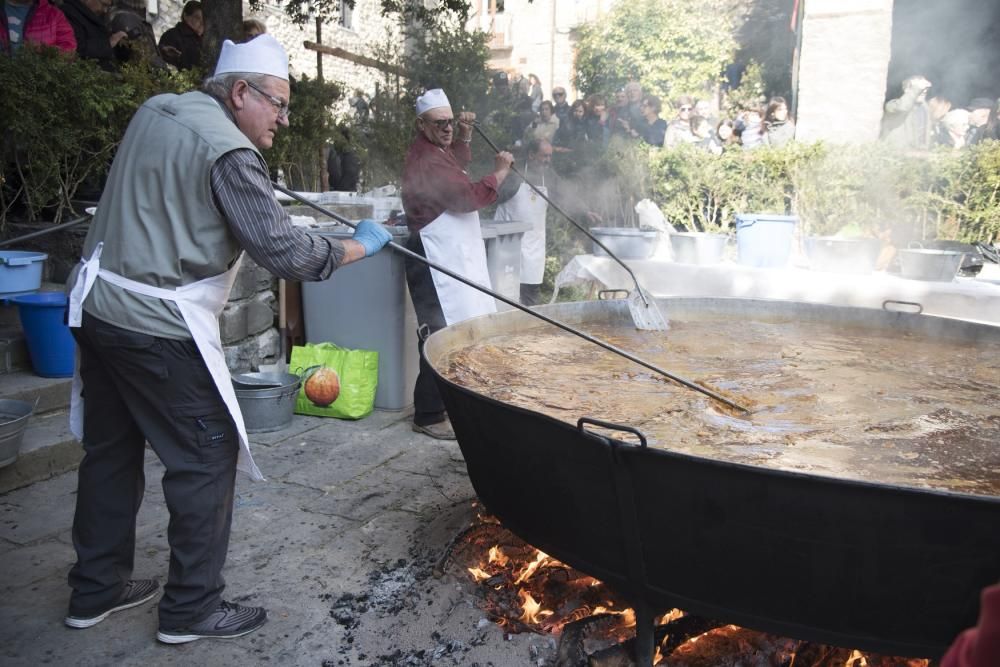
{"x": 916, "y": 121}
{"x": 110, "y": 32}
{"x": 589, "y": 123}
{"x": 912, "y": 121}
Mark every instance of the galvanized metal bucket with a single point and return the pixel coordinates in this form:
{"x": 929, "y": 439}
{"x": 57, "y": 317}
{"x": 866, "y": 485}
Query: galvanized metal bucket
{"x": 13, "y": 419}
{"x": 934, "y": 265}
{"x": 267, "y": 400}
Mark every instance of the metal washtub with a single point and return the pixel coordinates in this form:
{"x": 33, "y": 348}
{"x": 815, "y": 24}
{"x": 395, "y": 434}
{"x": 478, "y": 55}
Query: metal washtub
{"x": 267, "y": 400}
{"x": 864, "y": 565}
{"x": 14, "y": 417}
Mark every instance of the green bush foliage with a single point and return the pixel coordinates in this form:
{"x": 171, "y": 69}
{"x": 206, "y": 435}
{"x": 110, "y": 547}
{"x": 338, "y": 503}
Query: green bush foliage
{"x": 298, "y": 148}
{"x": 63, "y": 121}
{"x": 858, "y": 190}
{"x": 671, "y": 46}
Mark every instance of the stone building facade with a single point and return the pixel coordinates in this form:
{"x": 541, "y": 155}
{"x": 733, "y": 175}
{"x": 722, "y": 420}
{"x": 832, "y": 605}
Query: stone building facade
{"x": 356, "y": 31}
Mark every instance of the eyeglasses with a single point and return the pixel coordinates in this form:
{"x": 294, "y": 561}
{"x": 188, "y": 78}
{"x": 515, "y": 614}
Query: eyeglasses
{"x": 280, "y": 106}
{"x": 442, "y": 124}
{"x": 686, "y": 108}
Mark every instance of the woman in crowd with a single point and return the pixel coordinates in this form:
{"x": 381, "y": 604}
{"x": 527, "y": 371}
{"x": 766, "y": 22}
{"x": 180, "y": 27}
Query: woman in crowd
{"x": 573, "y": 132}
{"x": 598, "y": 120}
{"x": 725, "y": 134}
{"x": 543, "y": 127}
{"x": 679, "y": 130}
{"x": 778, "y": 126}
{"x": 535, "y": 92}
{"x": 954, "y": 128}
{"x": 701, "y": 128}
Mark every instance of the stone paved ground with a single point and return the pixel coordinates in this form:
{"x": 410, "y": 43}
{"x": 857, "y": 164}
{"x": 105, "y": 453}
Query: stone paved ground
{"x": 338, "y": 544}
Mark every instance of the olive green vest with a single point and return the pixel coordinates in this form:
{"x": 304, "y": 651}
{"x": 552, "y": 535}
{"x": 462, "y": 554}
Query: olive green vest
{"x": 157, "y": 216}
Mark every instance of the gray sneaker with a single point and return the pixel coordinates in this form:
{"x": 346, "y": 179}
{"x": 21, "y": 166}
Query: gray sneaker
{"x": 227, "y": 621}
{"x": 135, "y": 593}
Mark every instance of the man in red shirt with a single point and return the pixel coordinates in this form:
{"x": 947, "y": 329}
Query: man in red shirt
{"x": 441, "y": 204}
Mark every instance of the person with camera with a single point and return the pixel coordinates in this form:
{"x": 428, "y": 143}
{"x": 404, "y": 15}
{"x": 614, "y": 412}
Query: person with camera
{"x": 907, "y": 120}
{"x": 94, "y": 41}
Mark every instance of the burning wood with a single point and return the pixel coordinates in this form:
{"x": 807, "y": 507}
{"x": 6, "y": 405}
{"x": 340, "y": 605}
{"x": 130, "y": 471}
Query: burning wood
{"x": 523, "y": 589}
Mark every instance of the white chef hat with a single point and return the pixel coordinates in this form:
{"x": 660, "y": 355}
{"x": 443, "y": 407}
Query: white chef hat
{"x": 261, "y": 55}
{"x": 432, "y": 99}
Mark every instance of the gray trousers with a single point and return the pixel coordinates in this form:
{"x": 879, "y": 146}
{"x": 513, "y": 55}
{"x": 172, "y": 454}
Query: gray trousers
{"x": 140, "y": 388}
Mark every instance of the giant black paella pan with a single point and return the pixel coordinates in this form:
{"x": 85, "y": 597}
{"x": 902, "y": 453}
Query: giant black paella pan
{"x": 858, "y": 506}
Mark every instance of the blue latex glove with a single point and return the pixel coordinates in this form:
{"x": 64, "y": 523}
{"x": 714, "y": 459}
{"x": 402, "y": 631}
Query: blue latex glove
{"x": 372, "y": 236}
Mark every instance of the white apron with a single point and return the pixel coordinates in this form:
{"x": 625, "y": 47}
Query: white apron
{"x": 200, "y": 303}
{"x": 527, "y": 206}
{"x": 455, "y": 241}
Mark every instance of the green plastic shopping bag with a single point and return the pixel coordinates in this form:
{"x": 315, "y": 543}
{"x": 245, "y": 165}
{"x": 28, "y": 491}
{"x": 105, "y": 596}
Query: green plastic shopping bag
{"x": 336, "y": 381}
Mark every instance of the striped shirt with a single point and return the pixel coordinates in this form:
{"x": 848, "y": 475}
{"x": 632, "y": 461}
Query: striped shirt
{"x": 245, "y": 196}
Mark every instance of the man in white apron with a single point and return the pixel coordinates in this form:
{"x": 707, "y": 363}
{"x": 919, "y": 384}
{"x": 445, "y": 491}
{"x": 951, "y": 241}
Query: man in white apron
{"x": 188, "y": 192}
{"x": 441, "y": 204}
{"x": 520, "y": 202}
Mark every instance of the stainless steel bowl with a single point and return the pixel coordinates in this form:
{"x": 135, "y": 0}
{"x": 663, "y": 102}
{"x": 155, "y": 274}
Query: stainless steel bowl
{"x": 842, "y": 255}
{"x": 625, "y": 242}
{"x": 698, "y": 247}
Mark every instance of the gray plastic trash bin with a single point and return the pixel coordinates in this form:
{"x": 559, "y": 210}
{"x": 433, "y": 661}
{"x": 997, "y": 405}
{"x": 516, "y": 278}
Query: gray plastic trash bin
{"x": 503, "y": 256}
{"x": 366, "y": 305}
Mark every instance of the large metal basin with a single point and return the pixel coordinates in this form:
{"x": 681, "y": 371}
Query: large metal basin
{"x": 837, "y": 255}
{"x": 625, "y": 242}
{"x": 862, "y": 565}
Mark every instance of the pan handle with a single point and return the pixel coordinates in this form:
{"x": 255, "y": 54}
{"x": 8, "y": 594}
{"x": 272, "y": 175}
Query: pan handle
{"x": 614, "y": 427}
{"x": 906, "y": 306}
{"x": 606, "y": 294}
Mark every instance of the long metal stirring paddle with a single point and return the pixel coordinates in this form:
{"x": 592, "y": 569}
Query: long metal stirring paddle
{"x": 510, "y": 302}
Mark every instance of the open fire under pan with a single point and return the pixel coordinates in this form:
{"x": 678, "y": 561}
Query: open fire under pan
{"x": 871, "y": 566}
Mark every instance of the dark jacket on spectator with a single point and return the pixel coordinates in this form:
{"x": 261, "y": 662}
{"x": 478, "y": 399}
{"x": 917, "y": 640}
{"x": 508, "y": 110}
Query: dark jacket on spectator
{"x": 92, "y": 37}
{"x": 185, "y": 40}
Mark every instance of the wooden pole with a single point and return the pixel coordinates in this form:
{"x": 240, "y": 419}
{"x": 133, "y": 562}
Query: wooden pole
{"x": 364, "y": 61}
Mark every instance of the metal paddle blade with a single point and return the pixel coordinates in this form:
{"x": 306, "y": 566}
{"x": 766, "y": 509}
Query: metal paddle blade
{"x": 645, "y": 314}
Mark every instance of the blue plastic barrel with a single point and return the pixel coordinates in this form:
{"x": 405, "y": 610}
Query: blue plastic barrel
{"x": 764, "y": 240}
{"x": 50, "y": 344}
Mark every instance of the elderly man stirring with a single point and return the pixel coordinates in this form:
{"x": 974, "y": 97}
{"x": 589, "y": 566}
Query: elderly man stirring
{"x": 188, "y": 191}
{"x": 441, "y": 205}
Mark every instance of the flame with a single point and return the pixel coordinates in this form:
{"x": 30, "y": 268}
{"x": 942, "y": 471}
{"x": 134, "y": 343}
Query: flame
{"x": 522, "y": 597}
{"x": 856, "y": 659}
{"x": 540, "y": 559}
{"x": 533, "y": 612}
{"x": 498, "y": 557}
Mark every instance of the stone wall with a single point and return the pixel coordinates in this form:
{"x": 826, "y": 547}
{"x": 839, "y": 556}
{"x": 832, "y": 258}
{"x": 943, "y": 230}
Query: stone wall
{"x": 368, "y": 28}
{"x": 247, "y": 325}
{"x": 843, "y": 65}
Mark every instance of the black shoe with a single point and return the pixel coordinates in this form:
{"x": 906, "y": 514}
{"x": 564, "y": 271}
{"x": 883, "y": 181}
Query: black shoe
{"x": 438, "y": 431}
{"x": 227, "y": 621}
{"x": 136, "y": 592}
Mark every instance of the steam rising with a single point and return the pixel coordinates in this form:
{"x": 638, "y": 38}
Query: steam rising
{"x": 954, "y": 44}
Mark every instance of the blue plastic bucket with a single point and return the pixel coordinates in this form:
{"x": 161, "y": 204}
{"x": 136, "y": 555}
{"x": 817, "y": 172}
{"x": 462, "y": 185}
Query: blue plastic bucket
{"x": 50, "y": 344}
{"x": 764, "y": 240}
{"x": 20, "y": 271}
